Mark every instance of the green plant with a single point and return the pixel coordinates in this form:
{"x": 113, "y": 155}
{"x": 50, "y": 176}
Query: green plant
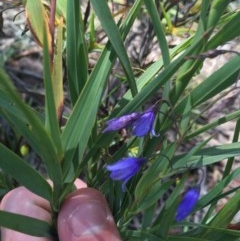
{"x": 80, "y": 147}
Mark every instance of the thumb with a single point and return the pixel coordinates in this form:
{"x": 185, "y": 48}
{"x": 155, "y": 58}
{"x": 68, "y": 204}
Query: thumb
{"x": 85, "y": 216}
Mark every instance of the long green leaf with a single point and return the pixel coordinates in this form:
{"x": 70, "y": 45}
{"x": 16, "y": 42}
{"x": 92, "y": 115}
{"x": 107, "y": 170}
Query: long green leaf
{"x": 209, "y": 155}
{"x": 228, "y": 32}
{"x": 227, "y": 213}
{"x": 215, "y": 123}
{"x": 24, "y": 173}
{"x": 187, "y": 71}
{"x": 217, "y": 189}
{"x": 136, "y": 235}
{"x": 38, "y": 25}
{"x": 57, "y": 75}
{"x": 214, "y": 84}
{"x": 215, "y": 233}
{"x": 62, "y": 8}
{"x": 76, "y": 50}
{"x": 158, "y": 31}
{"x": 185, "y": 238}
{"x": 230, "y": 161}
{"x": 108, "y": 24}
{"x": 217, "y": 9}
{"x": 51, "y": 120}
{"x": 27, "y": 225}
{"x": 223, "y": 217}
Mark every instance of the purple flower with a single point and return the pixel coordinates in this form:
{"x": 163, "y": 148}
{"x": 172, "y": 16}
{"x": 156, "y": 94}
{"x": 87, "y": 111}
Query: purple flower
{"x": 140, "y": 123}
{"x": 144, "y": 123}
{"x": 188, "y": 203}
{"x": 121, "y": 122}
{"x": 125, "y": 169}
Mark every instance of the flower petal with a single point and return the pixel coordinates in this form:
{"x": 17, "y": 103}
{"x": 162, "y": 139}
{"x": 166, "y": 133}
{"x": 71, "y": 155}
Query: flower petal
{"x": 125, "y": 169}
{"x": 144, "y": 124}
{"x": 188, "y": 203}
{"x": 122, "y": 164}
{"x": 121, "y": 122}
{"x": 123, "y": 174}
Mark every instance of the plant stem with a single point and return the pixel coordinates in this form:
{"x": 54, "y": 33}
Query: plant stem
{"x": 52, "y": 27}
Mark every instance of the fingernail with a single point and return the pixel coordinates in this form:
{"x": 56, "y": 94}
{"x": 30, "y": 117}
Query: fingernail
{"x": 85, "y": 214}
{"x": 89, "y": 217}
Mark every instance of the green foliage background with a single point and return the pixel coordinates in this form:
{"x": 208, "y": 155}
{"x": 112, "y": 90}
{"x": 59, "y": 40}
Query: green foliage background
{"x": 79, "y": 147}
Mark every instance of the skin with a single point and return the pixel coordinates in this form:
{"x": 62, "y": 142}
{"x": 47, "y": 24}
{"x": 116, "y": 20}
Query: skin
{"x": 84, "y": 215}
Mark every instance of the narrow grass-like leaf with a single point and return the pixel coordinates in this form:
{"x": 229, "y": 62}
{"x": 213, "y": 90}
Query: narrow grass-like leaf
{"x": 205, "y": 5}
{"x": 76, "y": 50}
{"x": 214, "y": 84}
{"x": 102, "y": 11}
{"x": 154, "y": 173}
{"x": 183, "y": 161}
{"x": 185, "y": 74}
{"x": 140, "y": 235}
{"x": 184, "y": 124}
{"x": 62, "y": 8}
{"x": 27, "y": 225}
{"x": 185, "y": 238}
{"x": 155, "y": 192}
{"x": 151, "y": 7}
{"x": 38, "y": 25}
{"x": 230, "y": 161}
{"x": 57, "y": 76}
{"x": 22, "y": 172}
{"x": 210, "y": 155}
{"x": 216, "y": 233}
{"x": 225, "y": 215}
{"x": 148, "y": 216}
{"x": 215, "y": 123}
{"x": 157, "y": 24}
{"x": 51, "y": 121}
{"x": 189, "y": 69}
{"x": 216, "y": 190}
{"x": 227, "y": 33}
{"x": 52, "y": 126}
{"x": 217, "y": 9}
{"x": 72, "y": 27}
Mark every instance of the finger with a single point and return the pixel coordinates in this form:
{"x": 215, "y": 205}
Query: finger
{"x": 85, "y": 216}
{"x": 79, "y": 183}
{"x": 22, "y": 201}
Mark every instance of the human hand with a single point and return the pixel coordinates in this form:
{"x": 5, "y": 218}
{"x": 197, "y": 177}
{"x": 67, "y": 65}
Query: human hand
{"x": 84, "y": 215}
